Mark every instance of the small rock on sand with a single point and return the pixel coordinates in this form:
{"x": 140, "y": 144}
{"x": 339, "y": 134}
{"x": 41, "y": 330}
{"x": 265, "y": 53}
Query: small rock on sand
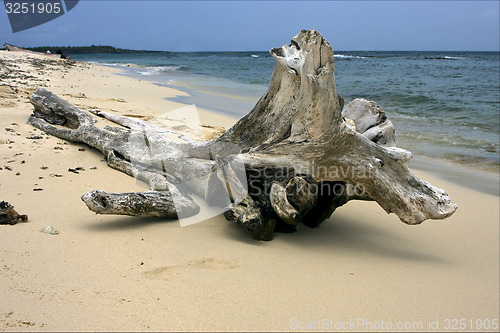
{"x": 50, "y": 230}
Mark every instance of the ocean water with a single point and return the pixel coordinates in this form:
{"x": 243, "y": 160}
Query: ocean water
{"x": 444, "y": 105}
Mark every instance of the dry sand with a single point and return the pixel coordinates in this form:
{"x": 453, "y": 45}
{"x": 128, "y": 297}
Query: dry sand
{"x": 361, "y": 270}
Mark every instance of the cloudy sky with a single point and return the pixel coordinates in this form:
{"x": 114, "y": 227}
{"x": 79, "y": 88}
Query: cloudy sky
{"x": 262, "y": 25}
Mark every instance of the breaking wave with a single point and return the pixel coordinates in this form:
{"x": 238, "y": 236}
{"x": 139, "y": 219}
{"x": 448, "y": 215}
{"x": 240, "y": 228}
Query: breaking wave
{"x": 347, "y": 56}
{"x": 156, "y": 70}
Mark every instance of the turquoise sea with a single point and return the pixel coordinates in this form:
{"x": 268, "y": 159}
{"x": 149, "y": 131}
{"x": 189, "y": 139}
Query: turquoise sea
{"x": 444, "y": 105}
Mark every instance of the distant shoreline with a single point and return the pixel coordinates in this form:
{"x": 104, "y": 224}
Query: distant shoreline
{"x": 114, "y": 49}
{"x": 87, "y": 49}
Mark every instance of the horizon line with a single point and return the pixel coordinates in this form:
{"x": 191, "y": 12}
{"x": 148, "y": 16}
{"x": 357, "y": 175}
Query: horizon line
{"x": 352, "y": 50}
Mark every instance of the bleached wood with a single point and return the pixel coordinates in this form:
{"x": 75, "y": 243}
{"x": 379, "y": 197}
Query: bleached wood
{"x": 301, "y": 157}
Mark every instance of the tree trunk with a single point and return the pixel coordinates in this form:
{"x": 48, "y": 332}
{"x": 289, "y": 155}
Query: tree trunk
{"x": 293, "y": 159}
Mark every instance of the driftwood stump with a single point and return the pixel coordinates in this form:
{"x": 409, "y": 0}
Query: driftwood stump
{"x": 295, "y": 157}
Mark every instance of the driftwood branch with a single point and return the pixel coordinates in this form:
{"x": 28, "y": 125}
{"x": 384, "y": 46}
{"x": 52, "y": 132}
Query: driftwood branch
{"x": 150, "y": 203}
{"x": 295, "y": 158}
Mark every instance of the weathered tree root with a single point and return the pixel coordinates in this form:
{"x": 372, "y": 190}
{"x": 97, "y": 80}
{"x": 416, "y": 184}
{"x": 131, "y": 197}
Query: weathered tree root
{"x": 293, "y": 159}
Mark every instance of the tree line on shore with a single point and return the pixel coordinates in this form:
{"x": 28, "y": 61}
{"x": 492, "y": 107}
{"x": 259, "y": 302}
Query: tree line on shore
{"x": 84, "y": 49}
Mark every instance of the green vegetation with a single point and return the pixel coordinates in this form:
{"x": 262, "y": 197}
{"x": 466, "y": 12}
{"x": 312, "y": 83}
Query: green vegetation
{"x": 84, "y": 49}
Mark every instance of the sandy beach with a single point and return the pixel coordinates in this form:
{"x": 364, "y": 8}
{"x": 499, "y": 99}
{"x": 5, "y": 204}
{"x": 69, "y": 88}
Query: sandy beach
{"x": 362, "y": 270}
